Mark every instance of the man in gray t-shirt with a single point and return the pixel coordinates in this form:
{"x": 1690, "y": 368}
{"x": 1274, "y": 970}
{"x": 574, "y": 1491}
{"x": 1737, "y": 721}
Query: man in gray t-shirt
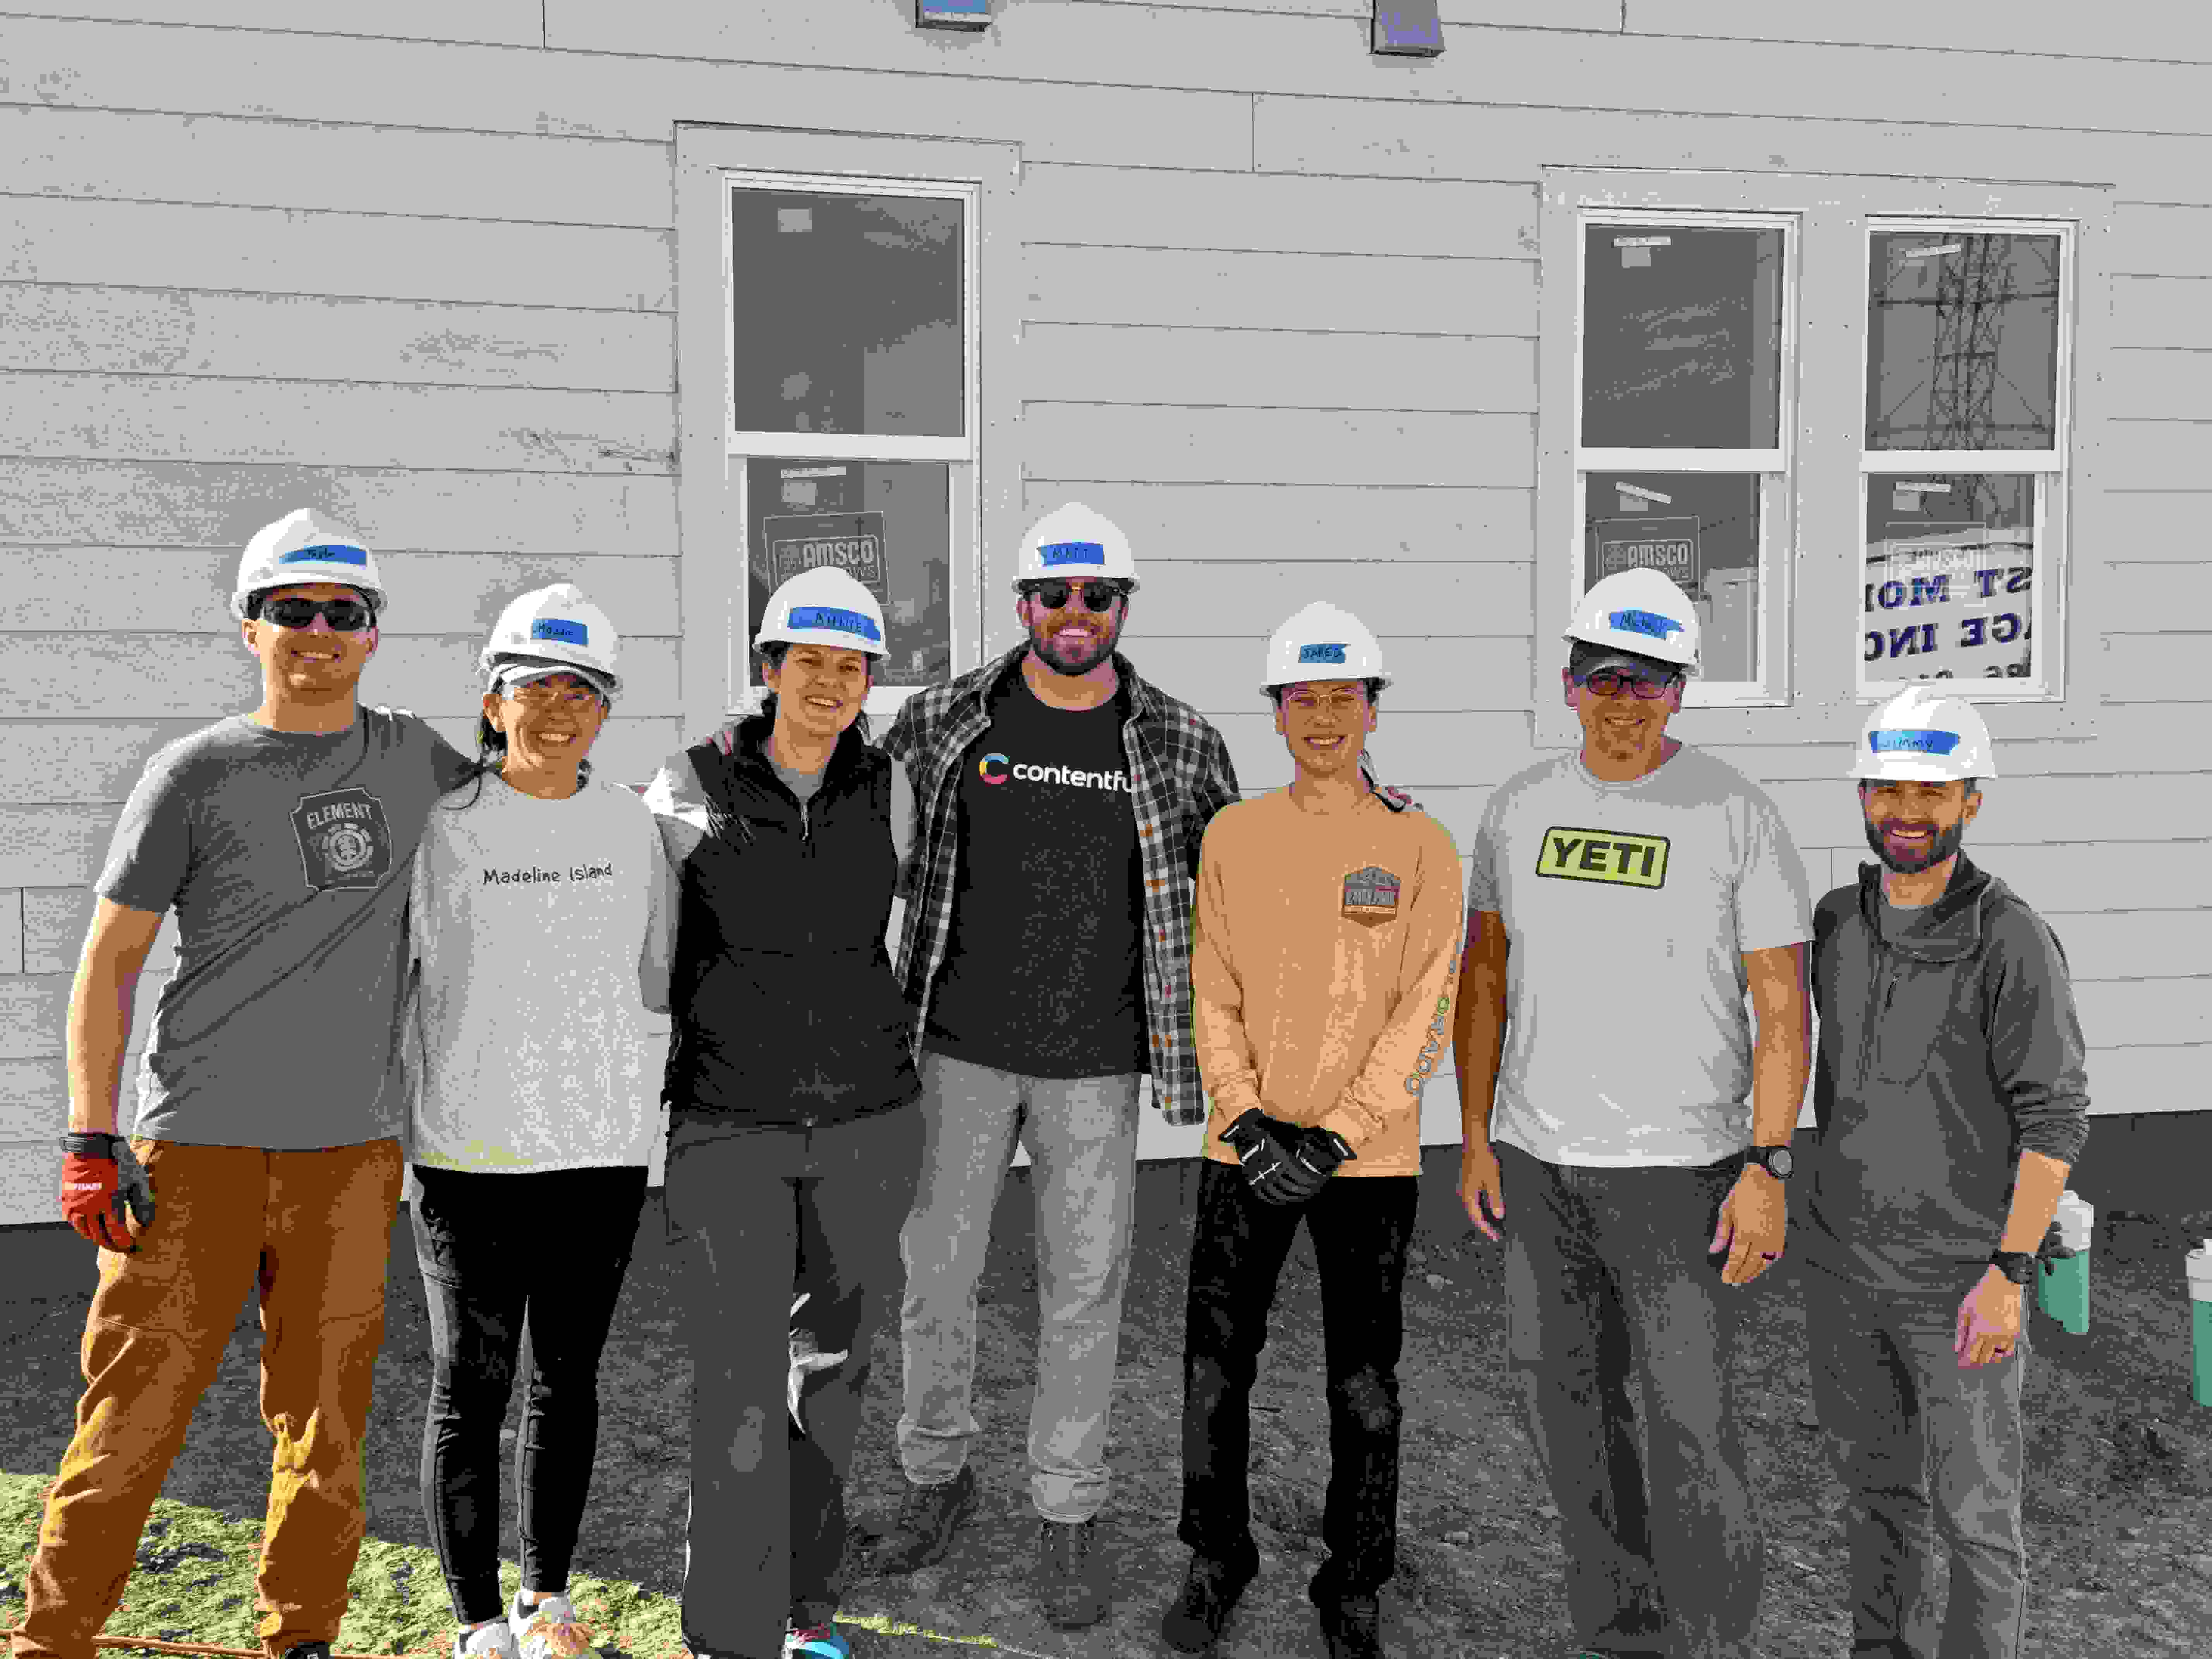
{"x": 1623, "y": 903}
{"x": 270, "y": 1107}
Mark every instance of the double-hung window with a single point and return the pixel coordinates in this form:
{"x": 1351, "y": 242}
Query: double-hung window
{"x": 832, "y": 399}
{"x": 1964, "y": 452}
{"x": 1682, "y": 423}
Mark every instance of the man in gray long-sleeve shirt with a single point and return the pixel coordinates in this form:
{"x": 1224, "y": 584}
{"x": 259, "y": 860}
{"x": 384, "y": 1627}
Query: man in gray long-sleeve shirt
{"x": 1951, "y": 1102}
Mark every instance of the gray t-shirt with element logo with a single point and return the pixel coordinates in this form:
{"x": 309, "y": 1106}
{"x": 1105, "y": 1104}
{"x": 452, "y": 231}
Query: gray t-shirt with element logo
{"x": 286, "y": 856}
{"x": 1630, "y": 907}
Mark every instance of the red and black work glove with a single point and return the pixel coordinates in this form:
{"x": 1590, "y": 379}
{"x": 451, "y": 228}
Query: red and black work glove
{"x": 101, "y": 1175}
{"x": 1286, "y": 1163}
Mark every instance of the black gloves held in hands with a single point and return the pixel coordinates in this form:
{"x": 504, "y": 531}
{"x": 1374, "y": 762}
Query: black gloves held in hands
{"x": 1285, "y": 1163}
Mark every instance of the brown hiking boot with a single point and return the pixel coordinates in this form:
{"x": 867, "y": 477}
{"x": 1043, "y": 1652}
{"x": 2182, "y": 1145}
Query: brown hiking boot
{"x": 1071, "y": 1574}
{"x": 927, "y": 1518}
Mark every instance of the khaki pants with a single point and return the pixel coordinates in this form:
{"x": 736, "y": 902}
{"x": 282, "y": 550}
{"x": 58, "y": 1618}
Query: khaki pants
{"x": 316, "y": 1227}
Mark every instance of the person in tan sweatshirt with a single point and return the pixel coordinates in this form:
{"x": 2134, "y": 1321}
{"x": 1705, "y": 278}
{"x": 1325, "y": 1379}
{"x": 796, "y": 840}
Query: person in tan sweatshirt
{"x": 1327, "y": 935}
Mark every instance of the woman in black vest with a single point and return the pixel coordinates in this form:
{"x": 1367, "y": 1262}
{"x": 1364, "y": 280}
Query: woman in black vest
{"x": 793, "y": 1143}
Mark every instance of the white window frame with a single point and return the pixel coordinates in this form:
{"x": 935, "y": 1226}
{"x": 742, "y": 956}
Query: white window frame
{"x": 713, "y": 516}
{"x": 1823, "y": 700}
{"x": 2048, "y": 468}
{"x": 1771, "y": 467}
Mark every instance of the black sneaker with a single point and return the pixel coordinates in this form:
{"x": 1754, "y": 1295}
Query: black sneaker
{"x": 927, "y": 1518}
{"x": 1071, "y": 1575}
{"x": 1352, "y": 1626}
{"x": 1211, "y": 1589}
{"x": 308, "y": 1650}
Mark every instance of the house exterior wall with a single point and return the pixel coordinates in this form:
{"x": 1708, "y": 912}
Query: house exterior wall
{"x": 1278, "y": 314}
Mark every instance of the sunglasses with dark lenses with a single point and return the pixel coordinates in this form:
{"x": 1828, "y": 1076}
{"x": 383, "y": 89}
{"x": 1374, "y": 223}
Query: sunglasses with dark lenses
{"x": 1609, "y": 683}
{"x": 1097, "y": 596}
{"x": 346, "y": 616}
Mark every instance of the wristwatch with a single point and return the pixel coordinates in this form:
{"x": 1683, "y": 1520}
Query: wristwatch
{"x": 2018, "y": 1265}
{"x": 1775, "y": 1160}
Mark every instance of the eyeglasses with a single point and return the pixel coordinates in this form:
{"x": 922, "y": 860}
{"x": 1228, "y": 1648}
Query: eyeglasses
{"x": 1097, "y": 596}
{"x": 346, "y": 616}
{"x": 1610, "y": 682}
{"x": 540, "y": 694}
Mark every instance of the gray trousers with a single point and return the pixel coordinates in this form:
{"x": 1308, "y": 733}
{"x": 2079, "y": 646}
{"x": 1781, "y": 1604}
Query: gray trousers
{"x": 780, "y": 1216}
{"x": 1925, "y": 1448}
{"x": 1606, "y": 1269}
{"x": 1082, "y": 1138}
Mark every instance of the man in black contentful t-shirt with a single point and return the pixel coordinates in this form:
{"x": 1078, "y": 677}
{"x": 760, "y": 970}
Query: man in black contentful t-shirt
{"x": 1053, "y": 802}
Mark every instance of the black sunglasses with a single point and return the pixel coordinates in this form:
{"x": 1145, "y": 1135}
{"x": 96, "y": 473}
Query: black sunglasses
{"x": 1611, "y": 682}
{"x": 1097, "y": 596}
{"x": 344, "y": 616}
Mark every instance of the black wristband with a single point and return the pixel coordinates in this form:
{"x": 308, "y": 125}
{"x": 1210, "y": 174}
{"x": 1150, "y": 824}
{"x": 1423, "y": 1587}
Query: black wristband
{"x": 90, "y": 1143}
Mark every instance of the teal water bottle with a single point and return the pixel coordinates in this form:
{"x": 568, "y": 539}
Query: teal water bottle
{"x": 2063, "y": 1286}
{"x": 2200, "y": 1306}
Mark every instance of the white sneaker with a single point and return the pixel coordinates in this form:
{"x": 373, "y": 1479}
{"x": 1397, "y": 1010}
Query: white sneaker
{"x": 549, "y": 1630}
{"x": 492, "y": 1641}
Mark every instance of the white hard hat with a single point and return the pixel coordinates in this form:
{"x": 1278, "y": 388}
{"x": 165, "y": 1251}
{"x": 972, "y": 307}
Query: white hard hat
{"x": 1919, "y": 733}
{"x": 302, "y": 548}
{"x": 825, "y": 607}
{"x": 1324, "y": 641}
{"x": 1072, "y": 542}
{"x": 553, "y": 625}
{"x": 1642, "y": 611}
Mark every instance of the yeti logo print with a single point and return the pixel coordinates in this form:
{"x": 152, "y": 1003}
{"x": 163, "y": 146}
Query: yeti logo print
{"x": 343, "y": 840}
{"x": 1370, "y": 897}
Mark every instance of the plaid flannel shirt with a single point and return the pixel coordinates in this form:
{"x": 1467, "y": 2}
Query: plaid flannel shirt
{"x": 1179, "y": 775}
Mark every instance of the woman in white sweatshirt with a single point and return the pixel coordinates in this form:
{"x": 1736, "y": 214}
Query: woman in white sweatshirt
{"x": 541, "y": 920}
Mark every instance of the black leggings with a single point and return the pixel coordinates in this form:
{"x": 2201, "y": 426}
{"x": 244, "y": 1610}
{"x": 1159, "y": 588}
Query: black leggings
{"x": 498, "y": 1251}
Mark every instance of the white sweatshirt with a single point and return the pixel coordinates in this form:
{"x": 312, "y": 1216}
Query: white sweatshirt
{"x": 544, "y": 930}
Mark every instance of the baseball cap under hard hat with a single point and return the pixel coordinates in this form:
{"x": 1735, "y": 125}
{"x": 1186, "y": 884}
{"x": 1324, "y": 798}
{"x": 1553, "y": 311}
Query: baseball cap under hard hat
{"x": 1073, "y": 542}
{"x": 1642, "y": 612}
{"x": 299, "y": 550}
{"x": 1919, "y": 734}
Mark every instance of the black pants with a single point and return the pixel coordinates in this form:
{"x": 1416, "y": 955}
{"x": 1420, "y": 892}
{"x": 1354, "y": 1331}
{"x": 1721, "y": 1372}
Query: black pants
{"x": 1360, "y": 1228}
{"x": 499, "y": 1252}
{"x": 779, "y": 1214}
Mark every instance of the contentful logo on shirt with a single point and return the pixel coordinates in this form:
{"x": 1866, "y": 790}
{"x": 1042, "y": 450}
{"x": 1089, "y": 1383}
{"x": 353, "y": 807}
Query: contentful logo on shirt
{"x": 995, "y": 767}
{"x": 1606, "y": 855}
{"x": 1918, "y": 743}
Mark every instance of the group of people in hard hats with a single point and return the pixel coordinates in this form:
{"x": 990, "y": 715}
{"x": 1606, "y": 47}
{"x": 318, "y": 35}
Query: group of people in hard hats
{"x": 390, "y": 951}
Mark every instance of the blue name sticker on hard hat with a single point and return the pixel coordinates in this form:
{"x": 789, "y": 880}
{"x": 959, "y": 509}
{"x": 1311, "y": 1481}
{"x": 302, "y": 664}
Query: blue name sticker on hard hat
{"x": 1321, "y": 653}
{"x": 560, "y": 628}
{"x": 1917, "y": 742}
{"x": 330, "y": 554}
{"x": 1644, "y": 622}
{"x": 1072, "y": 553}
{"x": 835, "y": 621}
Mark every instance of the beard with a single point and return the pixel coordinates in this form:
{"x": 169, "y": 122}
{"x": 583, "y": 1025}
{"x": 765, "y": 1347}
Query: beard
{"x": 1044, "y": 647}
{"x": 1941, "y": 845}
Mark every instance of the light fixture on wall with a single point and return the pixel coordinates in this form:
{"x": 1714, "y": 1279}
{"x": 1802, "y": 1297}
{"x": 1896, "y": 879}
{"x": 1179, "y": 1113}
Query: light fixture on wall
{"x": 1407, "y": 28}
{"x": 953, "y": 14}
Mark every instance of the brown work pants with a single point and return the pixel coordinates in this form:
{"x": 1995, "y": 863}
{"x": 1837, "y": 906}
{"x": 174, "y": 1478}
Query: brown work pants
{"x": 317, "y": 1227}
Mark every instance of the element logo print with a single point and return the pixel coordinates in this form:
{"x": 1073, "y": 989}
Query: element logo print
{"x": 344, "y": 841}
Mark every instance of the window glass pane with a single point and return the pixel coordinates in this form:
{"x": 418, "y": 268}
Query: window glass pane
{"x": 1702, "y": 530}
{"x": 888, "y": 523}
{"x": 1950, "y": 575}
{"x": 847, "y": 312}
{"x": 1681, "y": 337}
{"x": 1962, "y": 341}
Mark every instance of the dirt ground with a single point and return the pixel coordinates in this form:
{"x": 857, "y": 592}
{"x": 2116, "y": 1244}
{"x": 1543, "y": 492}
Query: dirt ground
{"x": 2118, "y": 1511}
